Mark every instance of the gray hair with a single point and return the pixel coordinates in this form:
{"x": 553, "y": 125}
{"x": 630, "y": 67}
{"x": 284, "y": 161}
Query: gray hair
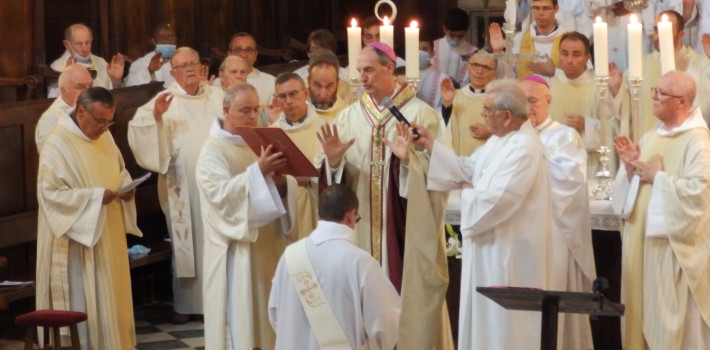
{"x": 95, "y": 95}
{"x": 232, "y": 93}
{"x": 223, "y": 65}
{"x": 508, "y": 97}
{"x": 183, "y": 49}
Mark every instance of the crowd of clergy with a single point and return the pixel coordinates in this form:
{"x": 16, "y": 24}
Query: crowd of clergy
{"x": 356, "y": 257}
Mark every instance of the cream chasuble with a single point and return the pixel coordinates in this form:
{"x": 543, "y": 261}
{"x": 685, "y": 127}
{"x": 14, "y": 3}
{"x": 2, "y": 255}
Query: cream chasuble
{"x": 170, "y": 148}
{"x": 82, "y": 260}
{"x": 665, "y": 242}
{"x": 245, "y": 221}
{"x": 466, "y": 111}
{"x": 505, "y": 233}
{"x": 366, "y": 168}
{"x": 572, "y": 252}
{"x": 687, "y": 60}
{"x": 304, "y": 136}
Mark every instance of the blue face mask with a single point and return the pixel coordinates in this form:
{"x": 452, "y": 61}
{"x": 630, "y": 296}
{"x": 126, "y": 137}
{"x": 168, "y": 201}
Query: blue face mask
{"x": 453, "y": 43}
{"x": 165, "y": 49}
{"x": 82, "y": 59}
{"x": 424, "y": 59}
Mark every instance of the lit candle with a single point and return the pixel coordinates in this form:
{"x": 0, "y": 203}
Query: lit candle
{"x": 354, "y": 47}
{"x": 411, "y": 50}
{"x": 601, "y": 50}
{"x": 665, "y": 38}
{"x": 635, "y": 53}
{"x": 387, "y": 33}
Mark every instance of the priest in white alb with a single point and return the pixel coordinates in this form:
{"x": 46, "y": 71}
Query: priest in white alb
{"x": 505, "y": 224}
{"x": 245, "y": 209}
{"x": 301, "y": 123}
{"x": 165, "y": 136}
{"x": 572, "y": 254}
{"x": 358, "y": 308}
{"x": 82, "y": 260}
{"x": 663, "y": 192}
{"x": 451, "y": 51}
{"x": 402, "y": 223}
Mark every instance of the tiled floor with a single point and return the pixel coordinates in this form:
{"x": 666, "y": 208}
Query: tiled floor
{"x": 155, "y": 330}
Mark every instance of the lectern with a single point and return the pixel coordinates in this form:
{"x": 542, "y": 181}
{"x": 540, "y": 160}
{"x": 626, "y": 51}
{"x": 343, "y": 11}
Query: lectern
{"x": 551, "y": 303}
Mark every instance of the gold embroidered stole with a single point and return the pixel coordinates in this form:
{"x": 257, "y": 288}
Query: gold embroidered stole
{"x": 378, "y": 119}
{"x": 527, "y": 46}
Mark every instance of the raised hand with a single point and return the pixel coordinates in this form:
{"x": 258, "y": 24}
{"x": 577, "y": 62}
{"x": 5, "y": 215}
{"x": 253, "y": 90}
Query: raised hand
{"x": 448, "y": 92}
{"x": 162, "y": 103}
{"x": 333, "y": 148}
{"x": 273, "y": 111}
{"x": 480, "y": 131}
{"x": 156, "y": 62}
{"x": 628, "y": 152}
{"x": 115, "y": 70}
{"x": 269, "y": 161}
{"x": 615, "y": 79}
{"x": 204, "y": 74}
{"x": 496, "y": 38}
{"x": 400, "y": 146}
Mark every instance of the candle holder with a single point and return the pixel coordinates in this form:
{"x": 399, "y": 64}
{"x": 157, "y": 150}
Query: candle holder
{"x": 635, "y": 90}
{"x": 603, "y": 188}
{"x": 355, "y": 88}
{"x": 413, "y": 82}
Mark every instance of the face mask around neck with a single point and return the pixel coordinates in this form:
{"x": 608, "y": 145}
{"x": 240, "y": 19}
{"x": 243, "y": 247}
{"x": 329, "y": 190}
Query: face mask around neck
{"x": 82, "y": 59}
{"x": 453, "y": 43}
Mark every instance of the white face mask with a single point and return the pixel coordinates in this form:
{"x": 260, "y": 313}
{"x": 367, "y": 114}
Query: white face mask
{"x": 424, "y": 59}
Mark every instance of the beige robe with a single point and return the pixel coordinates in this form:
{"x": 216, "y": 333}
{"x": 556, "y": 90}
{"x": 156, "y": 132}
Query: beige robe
{"x": 666, "y": 245}
{"x": 466, "y": 111}
{"x": 304, "y": 135}
{"x": 367, "y": 169}
{"x": 243, "y": 242}
{"x": 170, "y": 148}
{"x": 82, "y": 259}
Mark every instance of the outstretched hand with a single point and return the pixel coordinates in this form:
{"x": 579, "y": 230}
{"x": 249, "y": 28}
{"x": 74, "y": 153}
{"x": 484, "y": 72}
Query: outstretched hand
{"x": 115, "y": 70}
{"x": 156, "y": 62}
{"x": 333, "y": 148}
{"x": 162, "y": 103}
{"x": 448, "y": 92}
{"x": 205, "y": 74}
{"x": 400, "y": 146}
{"x": 628, "y": 153}
{"x": 496, "y": 38}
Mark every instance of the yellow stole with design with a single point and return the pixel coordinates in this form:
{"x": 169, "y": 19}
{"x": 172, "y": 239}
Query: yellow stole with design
{"x": 527, "y": 46}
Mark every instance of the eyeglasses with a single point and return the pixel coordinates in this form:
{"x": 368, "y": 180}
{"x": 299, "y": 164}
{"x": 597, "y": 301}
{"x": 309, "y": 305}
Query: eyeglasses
{"x": 358, "y": 218}
{"x": 656, "y": 91}
{"x": 101, "y": 122}
{"x": 239, "y": 50}
{"x": 487, "y": 111}
{"x": 479, "y": 66}
{"x": 186, "y": 66}
{"x": 292, "y": 94}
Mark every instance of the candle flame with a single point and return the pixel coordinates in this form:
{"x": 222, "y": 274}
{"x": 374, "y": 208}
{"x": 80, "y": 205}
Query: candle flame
{"x": 386, "y": 21}
{"x": 353, "y": 23}
{"x": 664, "y": 18}
{"x": 413, "y": 24}
{"x": 599, "y": 19}
{"x": 633, "y": 19}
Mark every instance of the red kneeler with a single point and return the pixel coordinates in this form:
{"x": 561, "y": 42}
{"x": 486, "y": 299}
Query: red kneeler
{"x": 53, "y": 319}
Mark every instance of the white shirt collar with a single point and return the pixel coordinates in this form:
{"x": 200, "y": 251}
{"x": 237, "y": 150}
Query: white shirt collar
{"x": 328, "y": 230}
{"x": 217, "y": 132}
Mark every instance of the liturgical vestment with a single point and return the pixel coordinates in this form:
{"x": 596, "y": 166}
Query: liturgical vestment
{"x": 82, "y": 260}
{"x": 387, "y": 198}
{"x": 465, "y": 111}
{"x": 665, "y": 242}
{"x": 505, "y": 233}
{"x": 170, "y": 148}
{"x": 572, "y": 253}
{"x": 245, "y": 221}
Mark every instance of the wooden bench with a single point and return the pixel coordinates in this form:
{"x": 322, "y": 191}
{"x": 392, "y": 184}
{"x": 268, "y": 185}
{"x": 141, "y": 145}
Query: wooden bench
{"x": 18, "y": 210}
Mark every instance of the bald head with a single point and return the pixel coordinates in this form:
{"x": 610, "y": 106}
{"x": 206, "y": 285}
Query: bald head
{"x": 673, "y": 98}
{"x": 539, "y": 98}
{"x": 75, "y": 78}
{"x": 233, "y": 71}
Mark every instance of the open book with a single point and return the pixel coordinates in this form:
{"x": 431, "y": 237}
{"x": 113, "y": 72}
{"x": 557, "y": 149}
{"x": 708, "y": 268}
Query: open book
{"x": 297, "y": 163}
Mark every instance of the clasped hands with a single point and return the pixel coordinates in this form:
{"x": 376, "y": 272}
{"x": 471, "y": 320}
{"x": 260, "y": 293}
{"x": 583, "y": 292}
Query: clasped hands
{"x": 629, "y": 155}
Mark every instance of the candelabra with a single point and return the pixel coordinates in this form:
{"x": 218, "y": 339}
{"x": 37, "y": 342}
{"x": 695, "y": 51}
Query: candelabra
{"x": 635, "y": 5}
{"x": 635, "y": 89}
{"x": 603, "y": 188}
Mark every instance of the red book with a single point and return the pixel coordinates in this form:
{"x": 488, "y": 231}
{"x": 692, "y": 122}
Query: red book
{"x": 297, "y": 162}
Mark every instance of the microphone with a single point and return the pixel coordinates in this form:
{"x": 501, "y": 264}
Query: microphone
{"x": 387, "y": 102}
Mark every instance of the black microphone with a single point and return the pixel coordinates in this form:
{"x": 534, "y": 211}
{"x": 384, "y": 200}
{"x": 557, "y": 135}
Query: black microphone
{"x": 387, "y": 102}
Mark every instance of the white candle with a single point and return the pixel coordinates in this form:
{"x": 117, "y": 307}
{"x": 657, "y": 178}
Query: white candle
{"x": 387, "y": 33}
{"x": 665, "y": 38}
{"x": 635, "y": 52}
{"x": 354, "y": 47}
{"x": 411, "y": 50}
{"x": 601, "y": 49}
{"x": 511, "y": 8}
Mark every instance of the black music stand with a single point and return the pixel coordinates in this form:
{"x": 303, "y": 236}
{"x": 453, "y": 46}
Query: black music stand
{"x": 551, "y": 303}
